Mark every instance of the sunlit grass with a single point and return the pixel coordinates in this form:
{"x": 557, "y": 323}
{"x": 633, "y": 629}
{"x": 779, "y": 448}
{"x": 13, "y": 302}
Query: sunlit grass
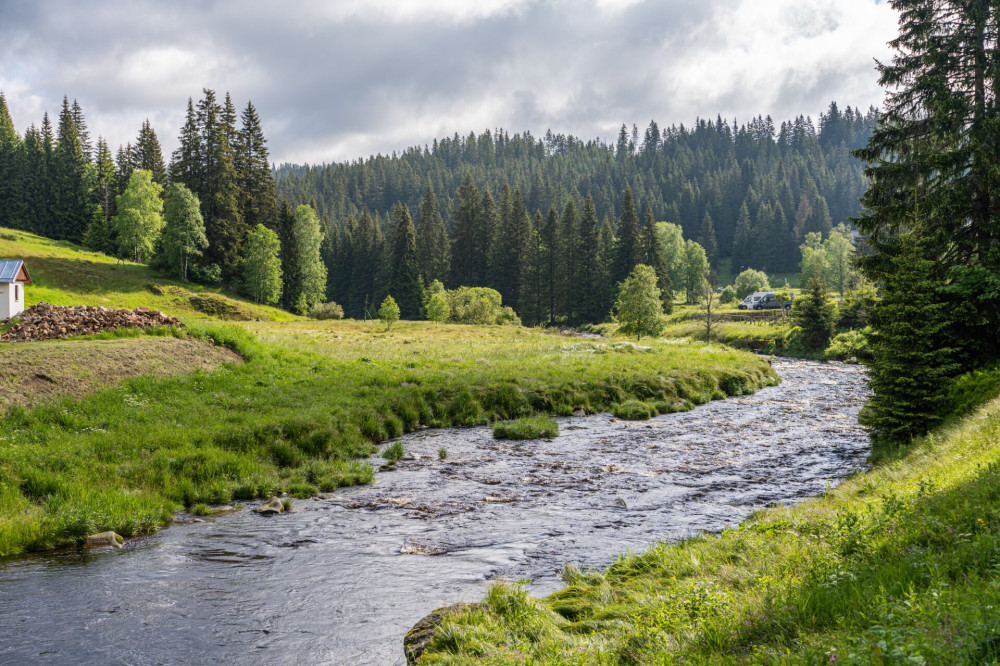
{"x": 900, "y": 565}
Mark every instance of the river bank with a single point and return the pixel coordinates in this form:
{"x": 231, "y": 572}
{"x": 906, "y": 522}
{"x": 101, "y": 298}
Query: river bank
{"x": 309, "y": 403}
{"x": 342, "y": 579}
{"x": 896, "y": 566}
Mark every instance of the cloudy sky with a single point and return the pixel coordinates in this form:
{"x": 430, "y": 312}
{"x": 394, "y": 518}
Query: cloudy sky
{"x": 334, "y": 80}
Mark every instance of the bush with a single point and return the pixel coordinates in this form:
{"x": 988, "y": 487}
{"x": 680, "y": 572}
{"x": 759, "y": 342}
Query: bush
{"x": 508, "y": 317}
{"x": 533, "y": 427}
{"x": 210, "y": 274}
{"x": 750, "y": 281}
{"x": 728, "y": 295}
{"x": 327, "y": 311}
{"x": 850, "y": 344}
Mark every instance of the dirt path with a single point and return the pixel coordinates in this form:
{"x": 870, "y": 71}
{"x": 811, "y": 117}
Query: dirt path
{"x": 36, "y": 371}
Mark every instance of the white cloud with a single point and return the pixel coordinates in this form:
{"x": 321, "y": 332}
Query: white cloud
{"x": 339, "y": 80}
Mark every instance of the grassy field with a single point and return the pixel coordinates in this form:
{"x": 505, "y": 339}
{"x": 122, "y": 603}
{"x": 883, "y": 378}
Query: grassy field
{"x": 67, "y": 274}
{"x": 310, "y": 400}
{"x": 900, "y": 565}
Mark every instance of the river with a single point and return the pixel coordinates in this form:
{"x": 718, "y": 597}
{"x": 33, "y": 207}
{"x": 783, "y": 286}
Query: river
{"x": 342, "y": 579}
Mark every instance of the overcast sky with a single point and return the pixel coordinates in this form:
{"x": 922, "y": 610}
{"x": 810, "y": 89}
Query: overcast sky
{"x": 335, "y": 80}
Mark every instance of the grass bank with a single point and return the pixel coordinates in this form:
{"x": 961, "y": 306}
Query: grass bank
{"x": 310, "y": 400}
{"x": 900, "y": 565}
{"x": 64, "y": 273}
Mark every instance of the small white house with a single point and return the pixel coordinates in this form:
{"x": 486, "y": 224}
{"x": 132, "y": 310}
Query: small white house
{"x": 13, "y": 277}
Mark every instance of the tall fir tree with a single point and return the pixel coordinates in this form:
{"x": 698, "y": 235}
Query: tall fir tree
{"x": 913, "y": 356}
{"x": 11, "y": 192}
{"x": 628, "y": 237}
{"x": 432, "y": 241}
{"x": 587, "y": 269}
{"x": 465, "y": 217}
{"x": 706, "y": 238}
{"x": 147, "y": 154}
{"x": 551, "y": 255}
{"x": 514, "y": 247}
{"x": 70, "y": 208}
{"x": 404, "y": 283}
{"x": 257, "y": 201}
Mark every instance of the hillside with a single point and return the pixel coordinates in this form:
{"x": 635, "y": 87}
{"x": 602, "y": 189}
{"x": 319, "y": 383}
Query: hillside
{"x": 64, "y": 273}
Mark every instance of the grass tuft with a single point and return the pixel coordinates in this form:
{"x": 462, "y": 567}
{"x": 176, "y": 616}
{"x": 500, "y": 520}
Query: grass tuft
{"x": 533, "y": 427}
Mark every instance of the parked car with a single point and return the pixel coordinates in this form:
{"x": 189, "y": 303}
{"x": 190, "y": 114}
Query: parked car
{"x": 764, "y": 300}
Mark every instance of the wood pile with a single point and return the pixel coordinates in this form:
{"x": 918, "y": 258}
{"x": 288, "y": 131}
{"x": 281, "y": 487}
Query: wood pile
{"x": 49, "y": 322}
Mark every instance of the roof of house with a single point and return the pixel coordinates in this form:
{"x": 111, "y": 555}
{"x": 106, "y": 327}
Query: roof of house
{"x": 13, "y": 270}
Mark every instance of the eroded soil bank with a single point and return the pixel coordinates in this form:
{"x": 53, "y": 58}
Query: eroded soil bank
{"x": 344, "y": 578}
{"x": 33, "y": 372}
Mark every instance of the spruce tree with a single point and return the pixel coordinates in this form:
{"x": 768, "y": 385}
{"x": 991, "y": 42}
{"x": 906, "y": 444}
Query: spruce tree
{"x": 569, "y": 258}
{"x": 432, "y": 240}
{"x": 70, "y": 195}
{"x": 912, "y": 357}
{"x": 588, "y": 271}
{"x": 513, "y": 250}
{"x": 186, "y": 165}
{"x": 706, "y": 238}
{"x": 550, "y": 259}
{"x": 257, "y": 201}
{"x": 404, "y": 283}
{"x": 815, "y": 314}
{"x": 11, "y": 192}
{"x": 464, "y": 218}
{"x": 487, "y": 242}
{"x": 146, "y": 154}
{"x": 628, "y": 237}
{"x": 605, "y": 283}
{"x": 218, "y": 188}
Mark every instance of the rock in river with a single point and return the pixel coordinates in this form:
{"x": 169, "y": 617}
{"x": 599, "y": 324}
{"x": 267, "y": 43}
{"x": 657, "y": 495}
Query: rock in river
{"x": 104, "y": 540}
{"x": 270, "y": 507}
{"x": 420, "y": 636}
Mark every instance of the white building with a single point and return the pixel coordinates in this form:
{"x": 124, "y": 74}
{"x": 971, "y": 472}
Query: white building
{"x": 13, "y": 277}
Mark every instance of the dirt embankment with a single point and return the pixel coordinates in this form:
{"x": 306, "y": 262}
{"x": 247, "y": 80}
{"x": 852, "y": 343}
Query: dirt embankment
{"x": 35, "y": 372}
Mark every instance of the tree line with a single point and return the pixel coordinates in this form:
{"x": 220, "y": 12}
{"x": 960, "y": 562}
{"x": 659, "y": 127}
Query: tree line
{"x": 750, "y": 192}
{"x": 212, "y": 215}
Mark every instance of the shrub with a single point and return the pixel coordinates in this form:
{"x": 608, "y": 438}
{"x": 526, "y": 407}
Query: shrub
{"x": 329, "y": 310}
{"x": 750, "y": 281}
{"x": 210, "y": 274}
{"x": 508, "y": 317}
{"x": 442, "y": 453}
{"x": 534, "y": 427}
{"x": 728, "y": 295}
{"x": 849, "y": 344}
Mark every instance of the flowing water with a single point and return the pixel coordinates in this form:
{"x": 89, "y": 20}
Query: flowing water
{"x": 342, "y": 579}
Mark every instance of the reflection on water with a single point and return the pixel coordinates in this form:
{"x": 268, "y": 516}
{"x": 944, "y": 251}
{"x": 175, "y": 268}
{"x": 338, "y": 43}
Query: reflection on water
{"x": 342, "y": 580}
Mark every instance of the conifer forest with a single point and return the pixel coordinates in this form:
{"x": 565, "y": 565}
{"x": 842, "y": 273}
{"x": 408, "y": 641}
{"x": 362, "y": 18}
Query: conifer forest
{"x": 553, "y": 224}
